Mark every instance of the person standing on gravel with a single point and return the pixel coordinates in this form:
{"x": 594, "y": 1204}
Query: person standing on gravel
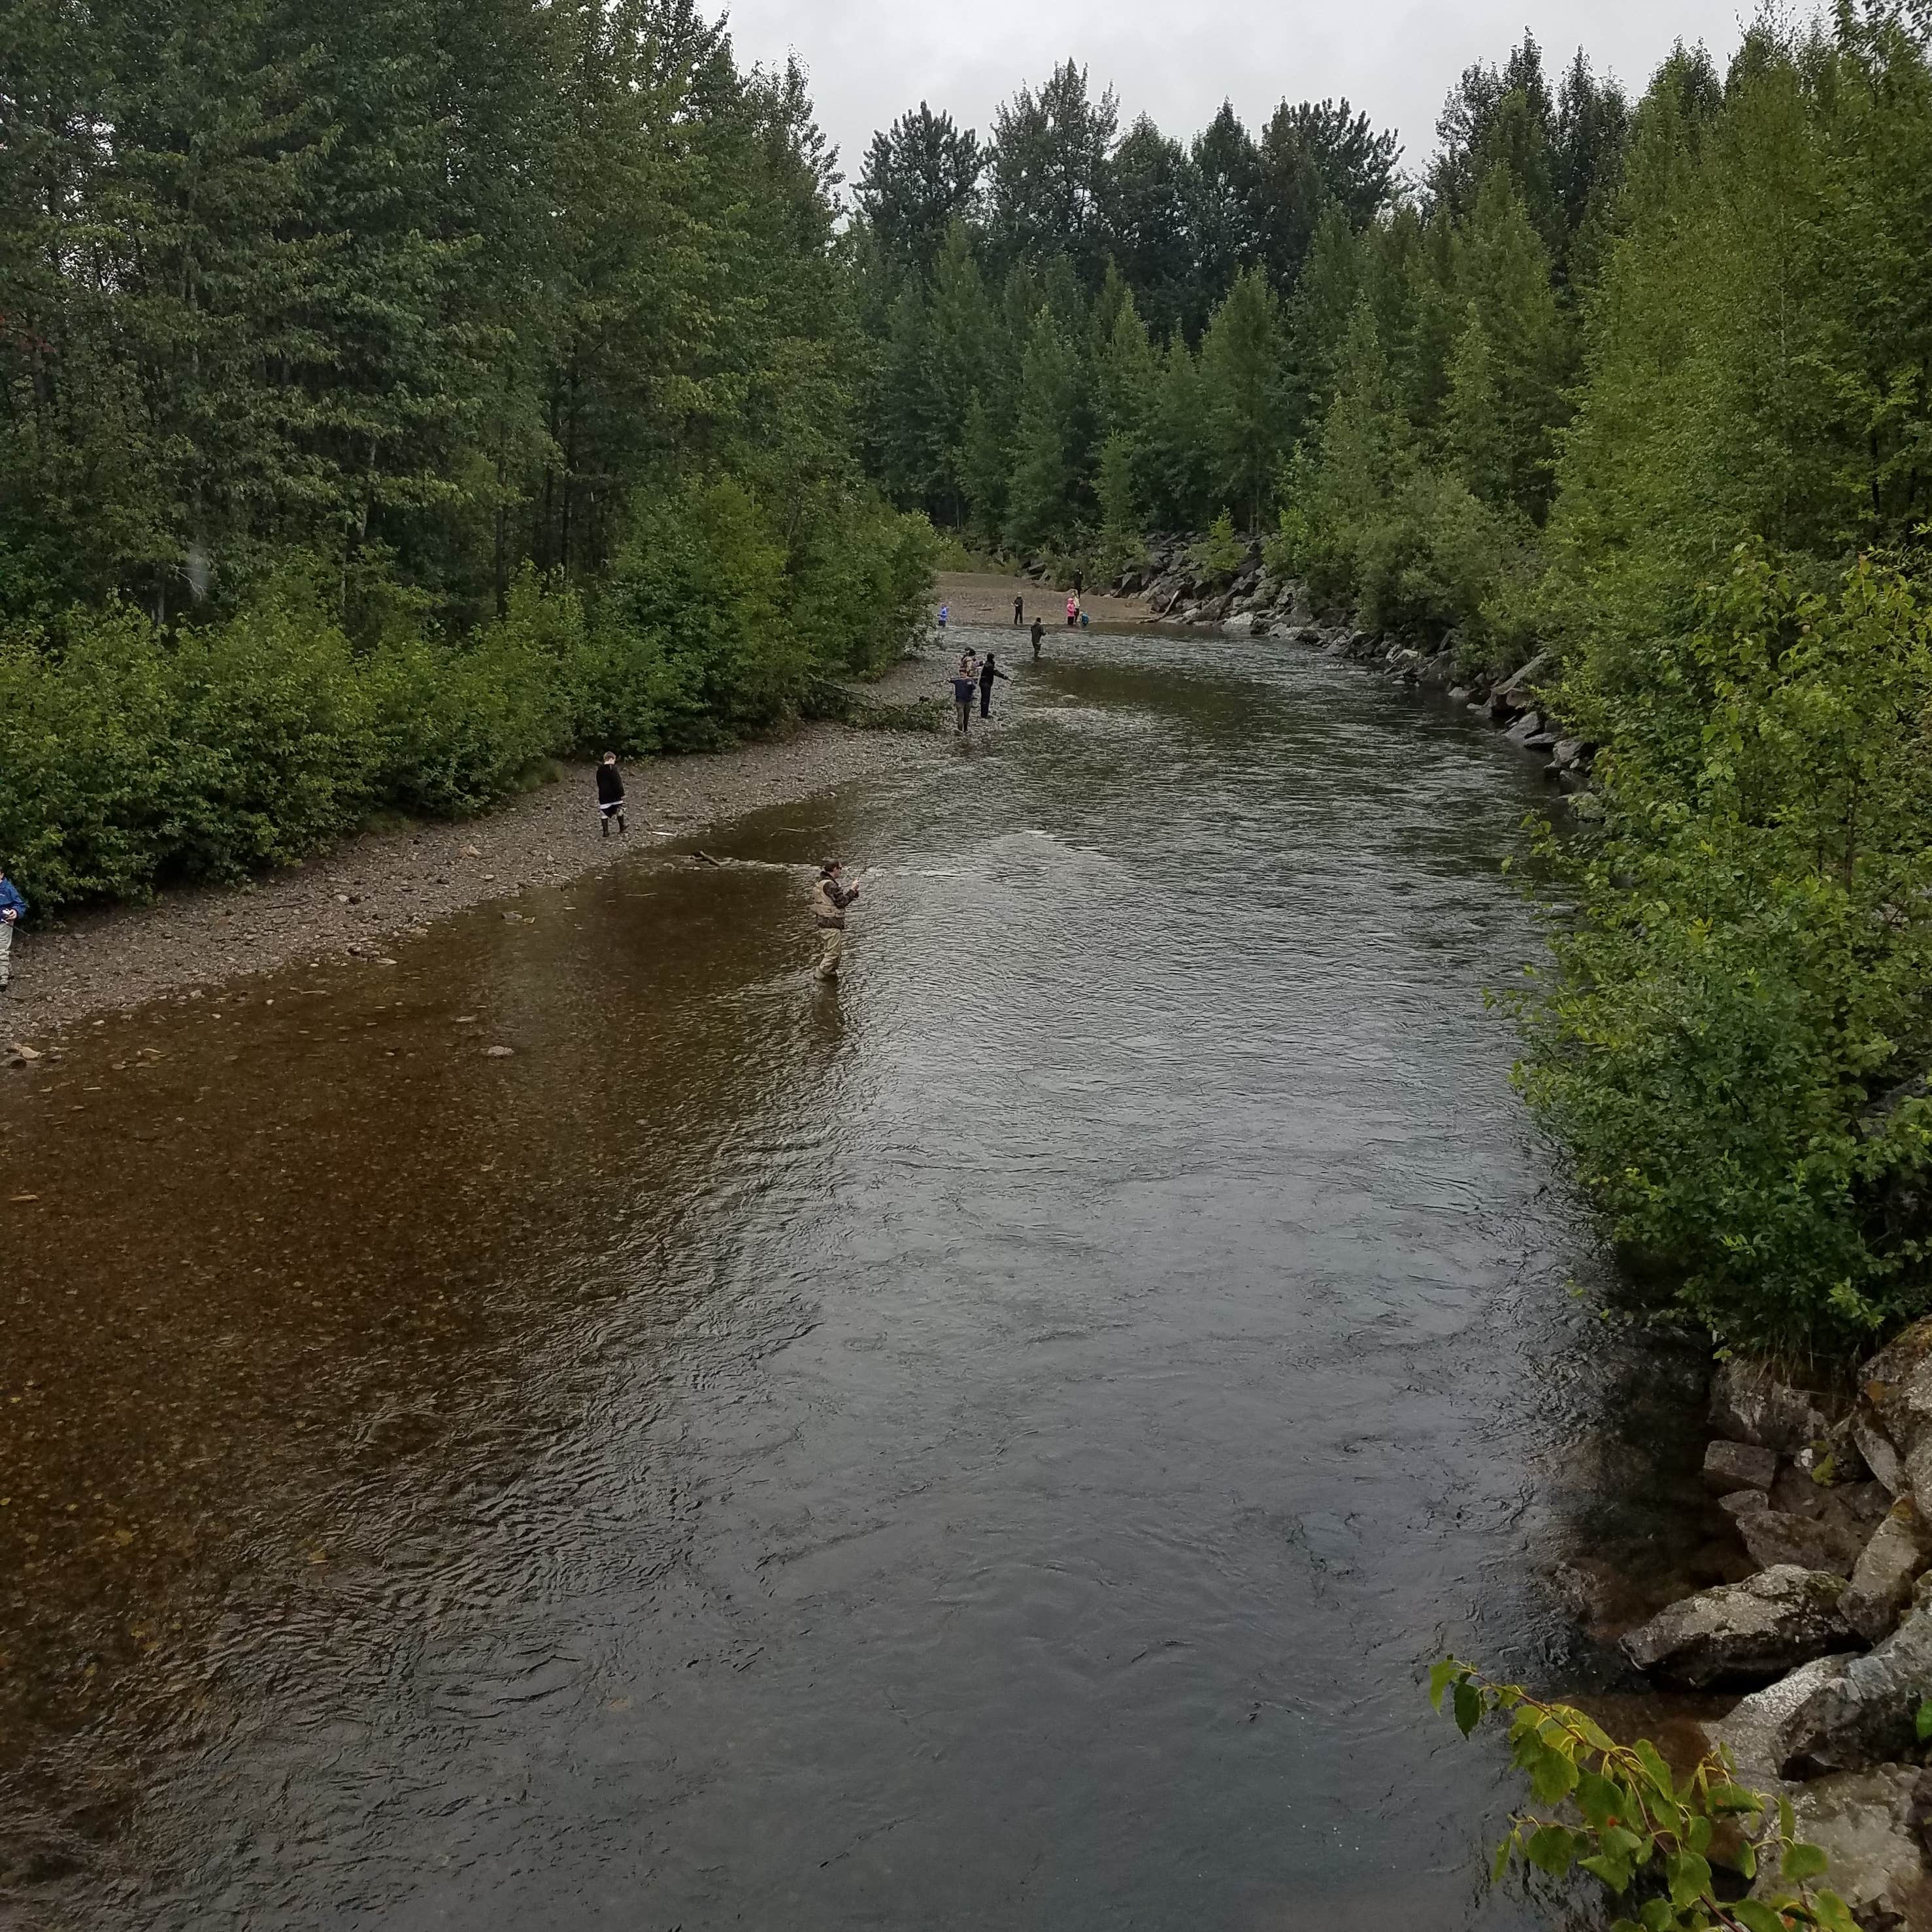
{"x": 1019, "y": 611}
{"x": 13, "y": 910}
{"x": 610, "y": 794}
{"x": 830, "y": 896}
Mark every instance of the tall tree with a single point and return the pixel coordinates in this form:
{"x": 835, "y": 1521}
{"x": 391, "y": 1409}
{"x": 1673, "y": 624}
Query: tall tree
{"x": 1049, "y": 174}
{"x": 919, "y": 177}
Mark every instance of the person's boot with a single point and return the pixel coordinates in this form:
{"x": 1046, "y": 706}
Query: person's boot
{"x": 606, "y": 832}
{"x": 623, "y": 827}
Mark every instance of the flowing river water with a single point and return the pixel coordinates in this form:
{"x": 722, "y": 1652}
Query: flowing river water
{"x": 994, "y": 1444}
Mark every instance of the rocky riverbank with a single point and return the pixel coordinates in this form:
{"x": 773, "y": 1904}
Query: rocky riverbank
{"x": 1829, "y": 1631}
{"x": 353, "y": 899}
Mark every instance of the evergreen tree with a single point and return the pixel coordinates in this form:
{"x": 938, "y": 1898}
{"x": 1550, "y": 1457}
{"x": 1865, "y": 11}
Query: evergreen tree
{"x": 1044, "y": 497}
{"x": 919, "y": 178}
{"x": 1241, "y": 396}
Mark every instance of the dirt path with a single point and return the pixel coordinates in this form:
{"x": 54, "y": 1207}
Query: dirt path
{"x": 354, "y": 898}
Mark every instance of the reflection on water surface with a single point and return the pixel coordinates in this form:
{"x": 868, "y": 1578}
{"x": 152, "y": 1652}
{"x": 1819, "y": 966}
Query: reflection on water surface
{"x": 993, "y": 1444}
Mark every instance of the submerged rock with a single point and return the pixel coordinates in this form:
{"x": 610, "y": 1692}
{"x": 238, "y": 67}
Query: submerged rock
{"x": 1743, "y": 1632}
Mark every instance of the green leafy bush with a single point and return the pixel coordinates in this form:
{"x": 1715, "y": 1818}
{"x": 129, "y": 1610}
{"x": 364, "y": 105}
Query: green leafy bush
{"x": 1615, "y": 1812}
{"x": 1747, "y": 964}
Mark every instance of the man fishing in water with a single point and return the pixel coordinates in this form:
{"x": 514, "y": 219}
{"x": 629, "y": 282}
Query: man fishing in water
{"x": 830, "y": 896}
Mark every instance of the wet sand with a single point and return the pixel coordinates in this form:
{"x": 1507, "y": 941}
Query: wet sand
{"x": 359, "y": 895}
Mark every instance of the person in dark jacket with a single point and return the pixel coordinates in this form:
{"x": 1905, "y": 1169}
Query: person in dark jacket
{"x": 830, "y": 896}
{"x": 965, "y": 680}
{"x": 610, "y": 794}
{"x": 988, "y": 672}
{"x": 1039, "y": 632}
{"x": 13, "y": 910}
{"x": 1019, "y": 611}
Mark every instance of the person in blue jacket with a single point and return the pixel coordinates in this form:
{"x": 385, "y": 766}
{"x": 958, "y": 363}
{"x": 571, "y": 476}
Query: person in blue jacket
{"x": 13, "y": 910}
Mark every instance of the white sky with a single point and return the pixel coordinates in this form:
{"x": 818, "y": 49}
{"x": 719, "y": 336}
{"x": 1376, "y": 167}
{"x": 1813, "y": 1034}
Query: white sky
{"x": 870, "y": 60}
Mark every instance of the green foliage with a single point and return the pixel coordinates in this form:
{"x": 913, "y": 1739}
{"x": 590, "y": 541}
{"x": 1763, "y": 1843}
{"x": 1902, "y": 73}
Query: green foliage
{"x": 442, "y": 382}
{"x": 1749, "y": 964}
{"x": 1616, "y": 1813}
{"x": 1221, "y": 552}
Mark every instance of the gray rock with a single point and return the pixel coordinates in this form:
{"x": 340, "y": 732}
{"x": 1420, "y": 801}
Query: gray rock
{"x": 1876, "y": 1447}
{"x": 1523, "y": 679}
{"x": 1526, "y": 727}
{"x": 1743, "y": 1632}
{"x": 1731, "y": 1466}
{"x": 1567, "y": 752}
{"x": 1865, "y": 1714}
{"x": 1774, "y": 1539}
{"x": 1881, "y": 1586}
{"x": 1745, "y": 1502}
{"x": 499, "y": 1052}
{"x": 1749, "y": 1404}
{"x": 1759, "y": 1733}
{"x": 1460, "y": 694}
{"x": 1866, "y": 1823}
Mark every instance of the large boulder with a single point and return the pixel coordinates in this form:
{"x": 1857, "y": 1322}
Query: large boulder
{"x": 1761, "y": 1733}
{"x": 1866, "y": 1823}
{"x": 1865, "y": 1713}
{"x": 1897, "y": 1383}
{"x": 1750, "y": 1404}
{"x": 1745, "y": 1633}
{"x": 1894, "y": 1560}
{"x": 1774, "y": 1537}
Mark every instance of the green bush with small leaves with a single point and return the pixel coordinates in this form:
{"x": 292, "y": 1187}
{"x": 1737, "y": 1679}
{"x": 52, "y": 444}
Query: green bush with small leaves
{"x": 1653, "y": 1841}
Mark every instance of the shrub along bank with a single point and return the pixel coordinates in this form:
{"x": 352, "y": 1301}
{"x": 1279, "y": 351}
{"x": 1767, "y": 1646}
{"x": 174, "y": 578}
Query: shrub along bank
{"x": 130, "y": 754}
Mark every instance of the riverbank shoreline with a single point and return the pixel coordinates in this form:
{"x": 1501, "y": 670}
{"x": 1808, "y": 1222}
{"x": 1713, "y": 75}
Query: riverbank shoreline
{"x": 353, "y": 898}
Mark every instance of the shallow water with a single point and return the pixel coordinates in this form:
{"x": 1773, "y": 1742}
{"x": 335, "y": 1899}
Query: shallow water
{"x": 996, "y": 1443}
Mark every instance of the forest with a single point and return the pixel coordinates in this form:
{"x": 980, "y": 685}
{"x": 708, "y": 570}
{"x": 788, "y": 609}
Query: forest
{"x": 1639, "y": 387}
{"x": 397, "y": 396}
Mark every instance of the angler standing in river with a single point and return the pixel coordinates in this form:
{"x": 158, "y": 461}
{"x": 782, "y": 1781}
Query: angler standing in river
{"x": 965, "y": 683}
{"x": 988, "y": 672}
{"x": 1019, "y": 611}
{"x": 830, "y": 896}
{"x": 1039, "y": 632}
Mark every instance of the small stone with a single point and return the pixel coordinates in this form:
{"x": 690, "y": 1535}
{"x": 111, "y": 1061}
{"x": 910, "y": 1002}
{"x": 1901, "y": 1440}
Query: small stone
{"x": 499, "y": 1052}
{"x": 1875, "y": 1446}
{"x": 385, "y": 962}
{"x": 464, "y": 1019}
{"x": 1745, "y": 1502}
{"x": 1731, "y": 1466}
{"x": 472, "y": 852}
{"x": 24, "y": 1053}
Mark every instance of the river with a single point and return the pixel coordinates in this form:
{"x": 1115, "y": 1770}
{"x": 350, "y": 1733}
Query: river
{"x": 994, "y": 1444}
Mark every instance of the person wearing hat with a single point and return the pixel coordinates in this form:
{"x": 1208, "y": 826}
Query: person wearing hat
{"x": 830, "y": 896}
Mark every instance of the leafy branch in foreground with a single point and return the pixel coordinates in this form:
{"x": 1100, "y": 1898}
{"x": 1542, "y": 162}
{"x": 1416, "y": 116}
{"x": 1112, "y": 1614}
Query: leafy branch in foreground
{"x": 1620, "y": 1816}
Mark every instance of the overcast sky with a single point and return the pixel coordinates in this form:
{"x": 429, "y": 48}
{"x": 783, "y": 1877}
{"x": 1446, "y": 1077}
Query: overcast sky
{"x": 870, "y": 60}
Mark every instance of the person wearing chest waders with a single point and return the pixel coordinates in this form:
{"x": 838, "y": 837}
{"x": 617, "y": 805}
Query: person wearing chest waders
{"x": 830, "y": 896}
{"x": 1039, "y": 632}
